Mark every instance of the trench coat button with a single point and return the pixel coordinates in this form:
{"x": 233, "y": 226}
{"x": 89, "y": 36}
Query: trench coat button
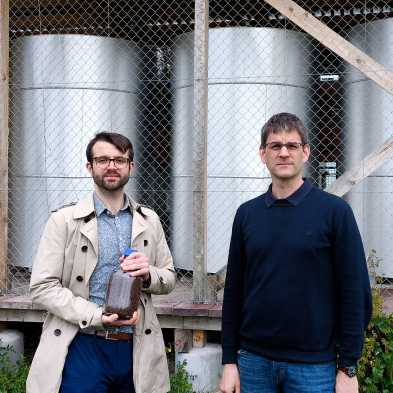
{"x": 84, "y": 248}
{"x": 57, "y": 332}
{"x": 84, "y": 323}
{"x": 147, "y": 331}
{"x": 79, "y": 278}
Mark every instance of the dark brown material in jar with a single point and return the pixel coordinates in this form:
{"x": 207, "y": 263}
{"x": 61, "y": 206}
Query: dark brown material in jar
{"x": 122, "y": 295}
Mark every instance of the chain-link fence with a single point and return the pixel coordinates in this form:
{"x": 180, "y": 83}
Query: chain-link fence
{"x": 79, "y": 67}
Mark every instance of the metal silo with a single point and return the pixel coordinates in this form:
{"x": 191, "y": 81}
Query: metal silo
{"x": 368, "y": 123}
{"x": 253, "y": 73}
{"x": 65, "y": 88}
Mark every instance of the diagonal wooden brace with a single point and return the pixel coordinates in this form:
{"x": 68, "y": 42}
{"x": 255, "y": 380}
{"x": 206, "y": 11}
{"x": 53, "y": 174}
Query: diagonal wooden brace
{"x": 364, "y": 63}
{"x": 364, "y": 168}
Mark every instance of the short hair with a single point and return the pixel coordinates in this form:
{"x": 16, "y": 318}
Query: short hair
{"x": 121, "y": 142}
{"x": 283, "y": 122}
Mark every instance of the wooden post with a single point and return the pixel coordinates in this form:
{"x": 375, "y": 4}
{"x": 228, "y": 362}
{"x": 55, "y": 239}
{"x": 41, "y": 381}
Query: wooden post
{"x": 199, "y": 338}
{"x": 200, "y": 287}
{"x": 4, "y": 96}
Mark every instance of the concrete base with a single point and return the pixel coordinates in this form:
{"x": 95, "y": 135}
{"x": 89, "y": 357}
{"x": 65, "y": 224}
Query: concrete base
{"x": 14, "y": 339}
{"x": 203, "y": 366}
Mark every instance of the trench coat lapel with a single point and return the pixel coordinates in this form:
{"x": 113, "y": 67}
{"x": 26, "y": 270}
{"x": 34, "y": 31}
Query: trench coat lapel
{"x": 138, "y": 221}
{"x": 85, "y": 209}
{"x": 90, "y": 231}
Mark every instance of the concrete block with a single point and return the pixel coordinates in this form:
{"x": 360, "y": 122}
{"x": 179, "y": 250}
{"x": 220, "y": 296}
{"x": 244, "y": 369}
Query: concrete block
{"x": 203, "y": 366}
{"x": 14, "y": 339}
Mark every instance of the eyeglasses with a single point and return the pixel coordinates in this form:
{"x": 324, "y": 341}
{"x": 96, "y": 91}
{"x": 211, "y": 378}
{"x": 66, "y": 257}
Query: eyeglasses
{"x": 290, "y": 146}
{"x": 119, "y": 162}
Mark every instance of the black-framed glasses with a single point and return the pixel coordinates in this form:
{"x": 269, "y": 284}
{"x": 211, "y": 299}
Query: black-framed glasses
{"x": 290, "y": 146}
{"x": 118, "y": 162}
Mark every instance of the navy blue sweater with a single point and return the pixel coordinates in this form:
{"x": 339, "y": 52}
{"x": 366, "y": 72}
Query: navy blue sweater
{"x": 297, "y": 286}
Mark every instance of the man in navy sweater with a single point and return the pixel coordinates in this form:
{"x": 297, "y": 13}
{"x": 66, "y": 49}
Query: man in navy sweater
{"x": 297, "y": 295}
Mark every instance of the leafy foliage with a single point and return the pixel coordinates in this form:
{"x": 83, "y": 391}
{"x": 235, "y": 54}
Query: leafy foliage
{"x": 12, "y": 377}
{"x": 376, "y": 365}
{"x": 180, "y": 380}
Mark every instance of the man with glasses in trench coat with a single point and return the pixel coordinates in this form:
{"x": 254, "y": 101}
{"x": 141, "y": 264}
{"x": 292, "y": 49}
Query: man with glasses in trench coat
{"x": 82, "y": 350}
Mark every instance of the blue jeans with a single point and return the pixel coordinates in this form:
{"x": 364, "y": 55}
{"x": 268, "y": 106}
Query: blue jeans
{"x": 96, "y": 365}
{"x": 261, "y": 375}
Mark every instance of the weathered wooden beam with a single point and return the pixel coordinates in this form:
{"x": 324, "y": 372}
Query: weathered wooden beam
{"x": 166, "y": 321}
{"x": 43, "y": 3}
{"x": 369, "y": 164}
{"x": 200, "y": 287}
{"x": 4, "y": 96}
{"x": 50, "y": 23}
{"x": 357, "y": 58}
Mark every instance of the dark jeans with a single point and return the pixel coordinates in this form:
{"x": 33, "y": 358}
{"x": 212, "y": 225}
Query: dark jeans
{"x": 96, "y": 365}
{"x": 261, "y": 375}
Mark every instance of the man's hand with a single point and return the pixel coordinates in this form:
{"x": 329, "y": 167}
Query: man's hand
{"x": 136, "y": 264}
{"x": 345, "y": 384}
{"x": 113, "y": 320}
{"x": 230, "y": 381}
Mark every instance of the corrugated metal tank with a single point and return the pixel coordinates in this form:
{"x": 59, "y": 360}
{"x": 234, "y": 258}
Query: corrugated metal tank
{"x": 368, "y": 123}
{"x": 253, "y": 74}
{"x": 65, "y": 88}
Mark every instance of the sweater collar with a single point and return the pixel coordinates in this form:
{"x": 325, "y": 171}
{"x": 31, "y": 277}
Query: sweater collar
{"x": 293, "y": 199}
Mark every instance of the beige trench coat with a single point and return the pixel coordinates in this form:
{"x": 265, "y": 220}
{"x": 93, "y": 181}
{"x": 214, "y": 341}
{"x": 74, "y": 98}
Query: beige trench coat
{"x": 66, "y": 258}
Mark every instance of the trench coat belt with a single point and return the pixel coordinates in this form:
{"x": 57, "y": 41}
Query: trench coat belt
{"x": 107, "y": 335}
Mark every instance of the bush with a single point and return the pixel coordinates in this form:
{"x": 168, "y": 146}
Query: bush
{"x": 376, "y": 365}
{"x": 180, "y": 382}
{"x": 12, "y": 377}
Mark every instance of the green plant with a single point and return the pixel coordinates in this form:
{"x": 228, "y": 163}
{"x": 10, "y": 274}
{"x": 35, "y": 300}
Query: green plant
{"x": 12, "y": 376}
{"x": 376, "y": 364}
{"x": 377, "y": 302}
{"x": 180, "y": 380}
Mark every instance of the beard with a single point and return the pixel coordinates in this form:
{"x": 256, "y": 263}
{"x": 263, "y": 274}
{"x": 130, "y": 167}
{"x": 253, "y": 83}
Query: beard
{"x": 102, "y": 182}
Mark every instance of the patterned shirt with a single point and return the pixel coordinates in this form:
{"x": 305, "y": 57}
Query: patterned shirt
{"x": 114, "y": 236}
